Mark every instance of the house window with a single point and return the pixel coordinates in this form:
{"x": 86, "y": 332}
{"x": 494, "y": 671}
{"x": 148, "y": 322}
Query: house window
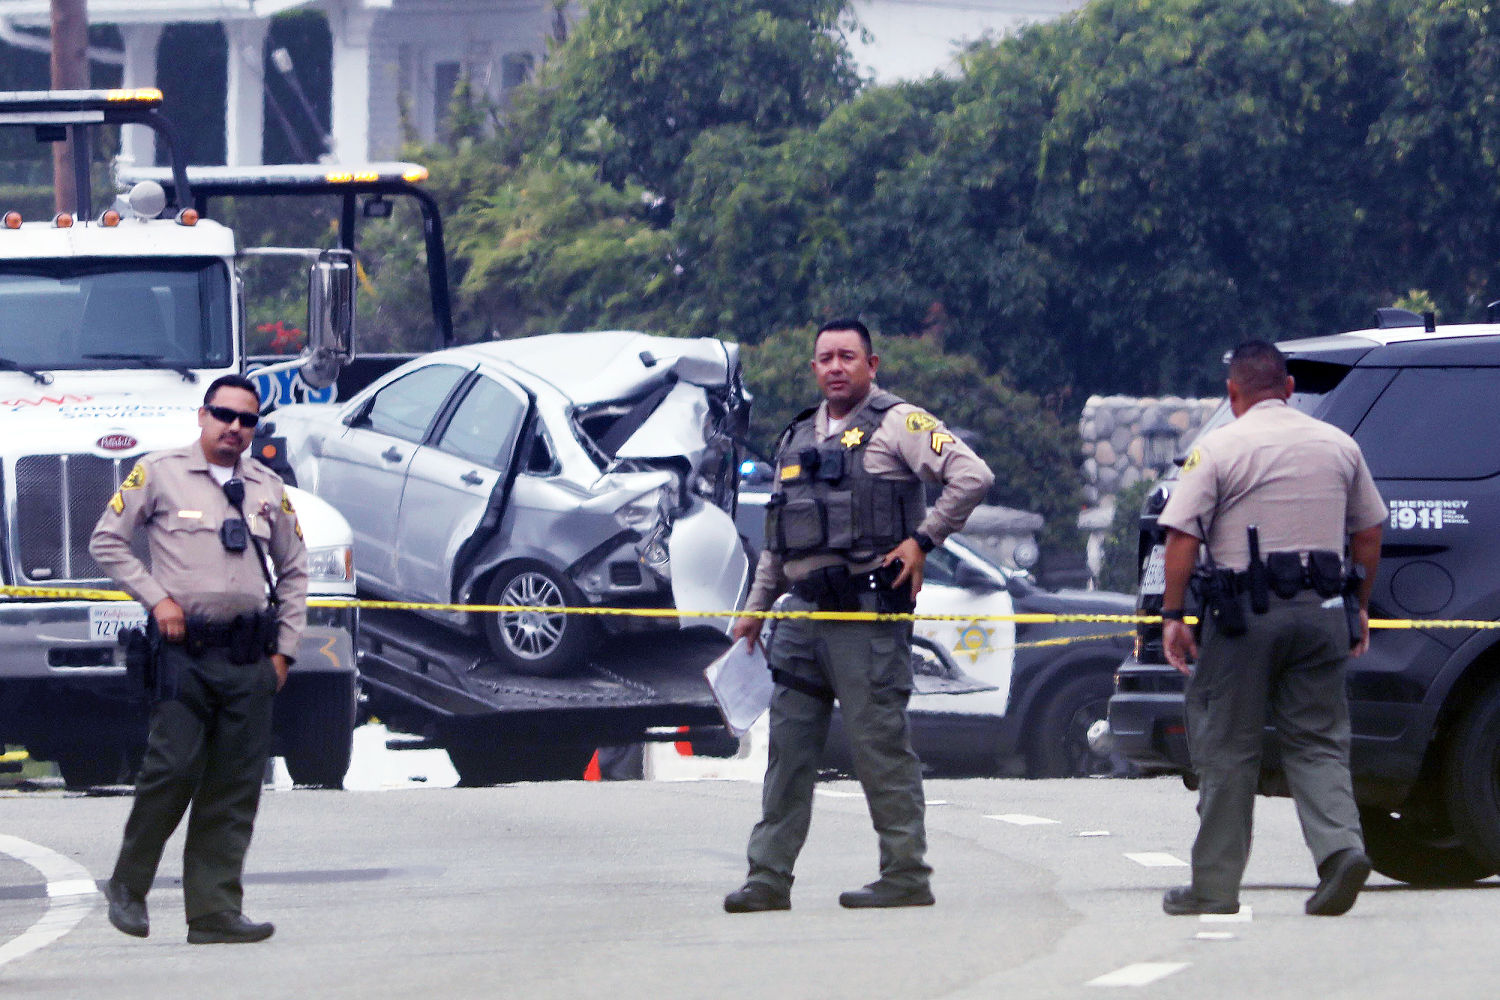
{"x": 515, "y": 69}
{"x": 445, "y": 77}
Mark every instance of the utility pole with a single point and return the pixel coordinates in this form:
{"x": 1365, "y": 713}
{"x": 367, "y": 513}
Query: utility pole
{"x": 70, "y": 71}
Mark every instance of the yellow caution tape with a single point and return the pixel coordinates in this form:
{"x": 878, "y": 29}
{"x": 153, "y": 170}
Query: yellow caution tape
{"x": 11, "y": 756}
{"x": 88, "y": 594}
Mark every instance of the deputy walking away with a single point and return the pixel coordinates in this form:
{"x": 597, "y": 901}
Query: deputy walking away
{"x": 847, "y": 530}
{"x": 1275, "y": 495}
{"x": 223, "y": 627}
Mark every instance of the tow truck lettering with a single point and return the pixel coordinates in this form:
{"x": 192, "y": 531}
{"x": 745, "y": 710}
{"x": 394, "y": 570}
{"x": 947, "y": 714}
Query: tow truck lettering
{"x": 101, "y": 411}
{"x": 285, "y": 387}
{"x": 65, "y": 398}
{"x": 1427, "y": 515}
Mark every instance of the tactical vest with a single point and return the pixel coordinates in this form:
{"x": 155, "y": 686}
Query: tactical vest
{"x": 826, "y": 503}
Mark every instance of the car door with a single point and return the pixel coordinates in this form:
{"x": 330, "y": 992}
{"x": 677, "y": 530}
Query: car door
{"x": 450, "y": 481}
{"x": 362, "y": 471}
{"x": 957, "y": 583}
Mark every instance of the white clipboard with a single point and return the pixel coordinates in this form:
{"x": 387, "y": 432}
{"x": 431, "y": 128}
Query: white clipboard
{"x": 741, "y": 684}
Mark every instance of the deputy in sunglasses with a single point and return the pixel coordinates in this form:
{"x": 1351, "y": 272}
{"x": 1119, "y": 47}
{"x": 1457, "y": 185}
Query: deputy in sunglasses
{"x": 222, "y": 625}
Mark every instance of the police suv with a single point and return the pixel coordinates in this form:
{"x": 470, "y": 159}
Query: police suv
{"x": 1425, "y": 700}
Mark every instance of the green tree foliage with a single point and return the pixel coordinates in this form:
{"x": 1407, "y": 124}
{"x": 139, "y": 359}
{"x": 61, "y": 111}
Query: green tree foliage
{"x": 1119, "y": 567}
{"x": 659, "y": 73}
{"x": 1032, "y": 452}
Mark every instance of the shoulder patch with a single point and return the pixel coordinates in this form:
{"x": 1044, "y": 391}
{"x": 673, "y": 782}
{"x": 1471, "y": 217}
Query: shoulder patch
{"x": 286, "y": 503}
{"x": 920, "y": 422}
{"x": 136, "y": 479}
{"x": 1194, "y": 457}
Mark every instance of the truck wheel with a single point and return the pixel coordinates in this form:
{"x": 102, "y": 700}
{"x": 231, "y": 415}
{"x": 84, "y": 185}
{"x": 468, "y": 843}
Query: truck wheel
{"x": 1471, "y": 778}
{"x": 89, "y": 767}
{"x": 320, "y": 728}
{"x": 1060, "y": 742}
{"x": 539, "y": 643}
{"x": 1405, "y": 849}
{"x": 481, "y": 762}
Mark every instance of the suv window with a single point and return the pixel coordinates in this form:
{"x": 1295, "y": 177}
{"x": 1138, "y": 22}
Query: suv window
{"x": 1434, "y": 423}
{"x": 484, "y": 426}
{"x": 405, "y": 408}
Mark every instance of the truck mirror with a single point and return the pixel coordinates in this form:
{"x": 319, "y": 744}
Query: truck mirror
{"x": 330, "y": 317}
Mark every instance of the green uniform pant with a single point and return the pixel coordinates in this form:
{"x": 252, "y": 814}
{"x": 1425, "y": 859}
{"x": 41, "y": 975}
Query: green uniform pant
{"x": 208, "y": 747}
{"x": 867, "y": 665}
{"x": 1286, "y": 671}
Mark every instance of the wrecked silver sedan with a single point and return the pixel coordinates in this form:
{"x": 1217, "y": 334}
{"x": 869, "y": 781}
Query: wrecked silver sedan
{"x": 577, "y": 469}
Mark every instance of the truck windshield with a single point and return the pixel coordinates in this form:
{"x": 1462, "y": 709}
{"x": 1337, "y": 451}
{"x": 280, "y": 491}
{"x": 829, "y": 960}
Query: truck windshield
{"x": 83, "y": 313}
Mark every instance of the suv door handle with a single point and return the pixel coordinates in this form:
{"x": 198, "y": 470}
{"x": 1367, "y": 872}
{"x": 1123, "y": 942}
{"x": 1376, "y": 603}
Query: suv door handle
{"x": 472, "y": 478}
{"x": 391, "y": 454}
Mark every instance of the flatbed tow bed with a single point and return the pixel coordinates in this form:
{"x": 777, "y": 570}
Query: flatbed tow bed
{"x": 500, "y": 726}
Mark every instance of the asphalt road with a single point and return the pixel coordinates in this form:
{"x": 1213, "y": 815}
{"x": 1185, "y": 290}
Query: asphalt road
{"x": 583, "y": 889}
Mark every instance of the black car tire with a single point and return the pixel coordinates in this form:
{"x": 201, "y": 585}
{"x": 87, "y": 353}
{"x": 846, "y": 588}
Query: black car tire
{"x": 90, "y": 766}
{"x": 1471, "y": 777}
{"x": 1404, "y": 849}
{"x": 538, "y": 643}
{"x": 1060, "y": 747}
{"x": 319, "y": 712}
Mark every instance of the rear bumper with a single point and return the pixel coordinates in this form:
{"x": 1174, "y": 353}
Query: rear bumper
{"x": 1146, "y": 717}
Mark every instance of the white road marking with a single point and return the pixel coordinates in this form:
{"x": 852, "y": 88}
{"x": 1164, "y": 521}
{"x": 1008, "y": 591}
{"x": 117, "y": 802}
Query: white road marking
{"x": 834, "y": 793}
{"x": 1156, "y": 859}
{"x": 1214, "y": 936}
{"x": 1092, "y": 833}
{"x": 937, "y": 802}
{"x": 1020, "y": 819}
{"x": 1243, "y": 917}
{"x": 1139, "y": 974}
{"x": 70, "y": 896}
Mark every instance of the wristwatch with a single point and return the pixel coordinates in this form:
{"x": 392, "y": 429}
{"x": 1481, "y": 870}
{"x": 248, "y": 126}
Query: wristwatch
{"x": 1174, "y": 615}
{"x": 924, "y": 541}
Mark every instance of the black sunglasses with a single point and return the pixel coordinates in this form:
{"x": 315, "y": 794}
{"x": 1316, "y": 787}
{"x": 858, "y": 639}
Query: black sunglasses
{"x": 225, "y": 415}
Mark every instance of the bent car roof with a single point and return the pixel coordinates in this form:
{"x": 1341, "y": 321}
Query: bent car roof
{"x": 1472, "y": 343}
{"x": 608, "y": 365}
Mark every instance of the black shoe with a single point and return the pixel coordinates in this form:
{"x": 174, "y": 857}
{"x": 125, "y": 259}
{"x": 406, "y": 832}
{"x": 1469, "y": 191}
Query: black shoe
{"x": 1343, "y": 875}
{"x": 227, "y": 927}
{"x": 757, "y": 897}
{"x": 1180, "y": 902}
{"x": 883, "y": 894}
{"x": 127, "y": 909}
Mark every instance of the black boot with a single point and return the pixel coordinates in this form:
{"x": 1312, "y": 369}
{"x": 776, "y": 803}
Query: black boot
{"x": 227, "y": 927}
{"x": 127, "y": 909}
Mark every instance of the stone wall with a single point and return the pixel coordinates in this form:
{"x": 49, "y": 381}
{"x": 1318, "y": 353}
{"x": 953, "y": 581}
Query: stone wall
{"x": 1114, "y": 442}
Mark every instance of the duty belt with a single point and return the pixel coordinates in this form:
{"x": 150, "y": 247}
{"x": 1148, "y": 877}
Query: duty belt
{"x": 834, "y": 588}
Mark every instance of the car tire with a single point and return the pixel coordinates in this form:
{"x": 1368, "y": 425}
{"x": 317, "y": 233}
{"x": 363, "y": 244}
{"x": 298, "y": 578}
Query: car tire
{"x": 319, "y": 712}
{"x": 1471, "y": 778}
{"x": 1059, "y": 746}
{"x": 1409, "y": 851}
{"x": 88, "y": 767}
{"x": 537, "y": 643}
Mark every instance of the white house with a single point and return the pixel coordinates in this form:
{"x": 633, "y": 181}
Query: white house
{"x": 387, "y": 53}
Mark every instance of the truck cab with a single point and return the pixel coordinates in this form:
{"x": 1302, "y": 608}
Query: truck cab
{"x": 115, "y": 324}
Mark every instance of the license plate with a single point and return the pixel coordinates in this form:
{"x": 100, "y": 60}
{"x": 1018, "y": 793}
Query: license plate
{"x": 1154, "y": 573}
{"x": 106, "y": 620}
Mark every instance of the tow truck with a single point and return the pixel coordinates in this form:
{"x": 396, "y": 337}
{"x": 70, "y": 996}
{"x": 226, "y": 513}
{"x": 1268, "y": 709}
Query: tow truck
{"x": 115, "y": 323}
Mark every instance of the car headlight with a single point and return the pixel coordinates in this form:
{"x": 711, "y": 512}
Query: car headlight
{"x": 645, "y": 512}
{"x": 334, "y": 564}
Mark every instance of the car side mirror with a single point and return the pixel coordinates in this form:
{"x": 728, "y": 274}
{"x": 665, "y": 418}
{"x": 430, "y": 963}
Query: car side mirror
{"x": 330, "y": 317}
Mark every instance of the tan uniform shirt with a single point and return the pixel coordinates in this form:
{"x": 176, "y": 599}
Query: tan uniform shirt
{"x": 173, "y": 494}
{"x": 909, "y": 444}
{"x": 1303, "y": 483}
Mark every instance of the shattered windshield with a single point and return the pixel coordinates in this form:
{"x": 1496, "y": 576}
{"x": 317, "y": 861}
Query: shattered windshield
{"x": 82, "y": 313}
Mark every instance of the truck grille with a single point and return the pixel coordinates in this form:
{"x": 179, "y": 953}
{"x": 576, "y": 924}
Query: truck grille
{"x": 58, "y": 501}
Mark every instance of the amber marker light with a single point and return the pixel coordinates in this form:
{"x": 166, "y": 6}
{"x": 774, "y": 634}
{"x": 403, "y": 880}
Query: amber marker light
{"x": 12, "y": 220}
{"x": 187, "y": 217}
{"x": 62, "y": 220}
{"x": 109, "y": 218}
{"x": 415, "y": 175}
